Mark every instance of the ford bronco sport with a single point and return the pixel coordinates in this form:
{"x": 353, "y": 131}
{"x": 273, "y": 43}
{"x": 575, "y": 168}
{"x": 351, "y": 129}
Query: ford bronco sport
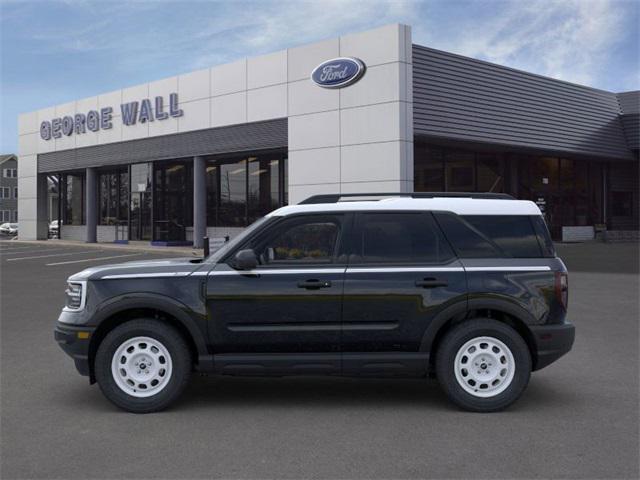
{"x": 466, "y": 287}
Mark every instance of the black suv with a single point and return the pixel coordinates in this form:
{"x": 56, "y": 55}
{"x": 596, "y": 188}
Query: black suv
{"x": 466, "y": 288}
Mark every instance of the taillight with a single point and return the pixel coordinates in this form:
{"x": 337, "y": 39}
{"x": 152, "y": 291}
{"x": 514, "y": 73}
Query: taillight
{"x": 562, "y": 288}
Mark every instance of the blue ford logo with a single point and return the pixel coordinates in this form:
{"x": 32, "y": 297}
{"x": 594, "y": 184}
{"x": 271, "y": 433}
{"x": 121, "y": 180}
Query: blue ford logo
{"x": 338, "y": 73}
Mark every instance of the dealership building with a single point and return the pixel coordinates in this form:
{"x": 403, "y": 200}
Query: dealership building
{"x": 208, "y": 152}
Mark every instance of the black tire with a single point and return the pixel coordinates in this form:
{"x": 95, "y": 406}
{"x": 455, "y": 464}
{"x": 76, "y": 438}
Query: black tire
{"x": 456, "y": 338}
{"x": 170, "y": 339}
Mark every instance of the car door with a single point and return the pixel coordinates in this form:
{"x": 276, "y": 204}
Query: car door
{"x": 291, "y": 303}
{"x": 402, "y": 272}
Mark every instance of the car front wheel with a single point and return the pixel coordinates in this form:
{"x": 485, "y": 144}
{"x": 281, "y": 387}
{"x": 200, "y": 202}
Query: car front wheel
{"x": 483, "y": 365}
{"x": 143, "y": 365}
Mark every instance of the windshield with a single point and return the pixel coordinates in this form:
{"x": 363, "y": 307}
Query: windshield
{"x": 215, "y": 257}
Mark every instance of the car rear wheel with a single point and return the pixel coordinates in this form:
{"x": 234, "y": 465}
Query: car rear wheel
{"x": 483, "y": 365}
{"x": 143, "y": 365}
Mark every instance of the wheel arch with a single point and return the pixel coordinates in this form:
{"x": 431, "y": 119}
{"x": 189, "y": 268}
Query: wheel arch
{"x": 497, "y": 308}
{"x": 120, "y": 310}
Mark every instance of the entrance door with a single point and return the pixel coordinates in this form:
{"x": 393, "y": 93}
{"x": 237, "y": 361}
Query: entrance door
{"x": 140, "y": 219}
{"x": 290, "y": 304}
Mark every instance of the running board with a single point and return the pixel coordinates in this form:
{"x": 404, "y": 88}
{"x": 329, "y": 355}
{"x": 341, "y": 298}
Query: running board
{"x": 378, "y": 364}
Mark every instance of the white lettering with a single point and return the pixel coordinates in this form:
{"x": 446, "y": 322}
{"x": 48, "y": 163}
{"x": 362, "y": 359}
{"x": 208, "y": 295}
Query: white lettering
{"x": 331, "y": 73}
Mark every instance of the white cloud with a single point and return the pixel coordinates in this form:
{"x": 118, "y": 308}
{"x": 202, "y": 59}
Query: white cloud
{"x": 274, "y": 25}
{"x": 569, "y": 40}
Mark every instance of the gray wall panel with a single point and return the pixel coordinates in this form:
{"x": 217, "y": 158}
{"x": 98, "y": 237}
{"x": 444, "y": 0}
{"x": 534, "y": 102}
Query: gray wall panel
{"x": 629, "y": 101}
{"x": 630, "y": 107}
{"x": 461, "y": 98}
{"x": 631, "y": 127}
{"x": 236, "y": 138}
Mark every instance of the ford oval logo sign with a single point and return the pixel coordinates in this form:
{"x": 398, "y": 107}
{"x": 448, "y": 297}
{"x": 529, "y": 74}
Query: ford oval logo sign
{"x": 338, "y": 73}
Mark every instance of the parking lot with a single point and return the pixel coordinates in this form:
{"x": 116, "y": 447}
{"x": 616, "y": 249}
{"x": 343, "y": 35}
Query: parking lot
{"x": 579, "y": 417}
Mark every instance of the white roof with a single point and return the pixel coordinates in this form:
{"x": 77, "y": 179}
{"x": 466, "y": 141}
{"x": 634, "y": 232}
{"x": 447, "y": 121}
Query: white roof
{"x": 460, "y": 206}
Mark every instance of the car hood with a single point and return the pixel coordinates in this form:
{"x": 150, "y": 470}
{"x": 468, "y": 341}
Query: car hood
{"x": 146, "y": 268}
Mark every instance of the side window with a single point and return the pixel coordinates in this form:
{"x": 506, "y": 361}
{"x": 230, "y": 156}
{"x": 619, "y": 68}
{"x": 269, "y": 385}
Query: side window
{"x": 306, "y": 240}
{"x": 468, "y": 242}
{"x": 400, "y": 238}
{"x": 514, "y": 234}
{"x": 482, "y": 236}
{"x": 544, "y": 238}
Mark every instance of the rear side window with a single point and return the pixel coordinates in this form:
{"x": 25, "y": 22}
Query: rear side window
{"x": 544, "y": 238}
{"x": 400, "y": 238}
{"x": 514, "y": 234}
{"x": 467, "y": 241}
{"x": 481, "y": 236}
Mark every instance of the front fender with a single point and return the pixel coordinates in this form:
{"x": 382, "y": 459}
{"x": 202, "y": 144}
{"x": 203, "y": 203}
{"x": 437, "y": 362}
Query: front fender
{"x": 194, "y": 323}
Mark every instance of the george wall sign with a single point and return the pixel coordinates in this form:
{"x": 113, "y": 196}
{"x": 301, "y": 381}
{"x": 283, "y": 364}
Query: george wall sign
{"x": 338, "y": 72}
{"x": 94, "y": 120}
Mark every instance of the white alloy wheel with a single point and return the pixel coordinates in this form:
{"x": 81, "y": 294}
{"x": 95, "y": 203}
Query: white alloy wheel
{"x": 484, "y": 367}
{"x": 141, "y": 367}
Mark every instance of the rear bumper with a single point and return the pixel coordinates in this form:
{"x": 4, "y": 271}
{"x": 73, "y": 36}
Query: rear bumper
{"x": 75, "y": 343}
{"x": 552, "y": 342}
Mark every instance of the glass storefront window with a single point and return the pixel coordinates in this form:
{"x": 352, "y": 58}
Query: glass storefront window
{"x": 123, "y": 196}
{"x": 73, "y": 199}
{"x": 140, "y": 201}
{"x": 621, "y": 204}
{"x": 141, "y": 177}
{"x": 113, "y": 197}
{"x": 460, "y": 172}
{"x": 569, "y": 192}
{"x": 489, "y": 173}
{"x": 240, "y": 190}
{"x": 264, "y": 186}
{"x": 53, "y": 197}
{"x": 173, "y": 200}
{"x": 233, "y": 194}
{"x": 428, "y": 169}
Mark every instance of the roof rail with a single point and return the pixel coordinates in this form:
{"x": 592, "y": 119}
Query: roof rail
{"x": 337, "y": 197}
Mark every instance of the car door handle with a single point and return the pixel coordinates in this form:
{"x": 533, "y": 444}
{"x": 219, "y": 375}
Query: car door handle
{"x": 431, "y": 283}
{"x": 314, "y": 284}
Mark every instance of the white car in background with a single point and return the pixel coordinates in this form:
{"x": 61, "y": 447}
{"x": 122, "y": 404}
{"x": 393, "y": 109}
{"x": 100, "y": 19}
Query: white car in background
{"x": 54, "y": 229}
{"x": 9, "y": 228}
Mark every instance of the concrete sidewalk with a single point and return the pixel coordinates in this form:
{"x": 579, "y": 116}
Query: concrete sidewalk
{"x": 131, "y": 246}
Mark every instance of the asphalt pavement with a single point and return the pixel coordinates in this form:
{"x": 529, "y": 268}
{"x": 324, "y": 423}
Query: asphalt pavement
{"x": 579, "y": 418}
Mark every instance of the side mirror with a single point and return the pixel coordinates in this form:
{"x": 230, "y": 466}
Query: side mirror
{"x": 245, "y": 260}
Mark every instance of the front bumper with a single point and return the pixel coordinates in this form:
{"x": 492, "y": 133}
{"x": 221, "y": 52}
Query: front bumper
{"x": 74, "y": 340}
{"x": 552, "y": 342}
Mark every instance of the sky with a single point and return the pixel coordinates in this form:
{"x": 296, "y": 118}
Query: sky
{"x": 55, "y": 51}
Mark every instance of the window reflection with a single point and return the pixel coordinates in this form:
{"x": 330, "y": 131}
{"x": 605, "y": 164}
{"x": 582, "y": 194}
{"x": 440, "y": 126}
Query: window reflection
{"x": 173, "y": 200}
{"x": 73, "y": 199}
{"x": 570, "y": 192}
{"x": 242, "y": 189}
{"x": 113, "y": 197}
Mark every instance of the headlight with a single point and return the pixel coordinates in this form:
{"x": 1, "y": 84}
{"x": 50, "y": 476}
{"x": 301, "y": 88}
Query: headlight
{"x": 76, "y": 293}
